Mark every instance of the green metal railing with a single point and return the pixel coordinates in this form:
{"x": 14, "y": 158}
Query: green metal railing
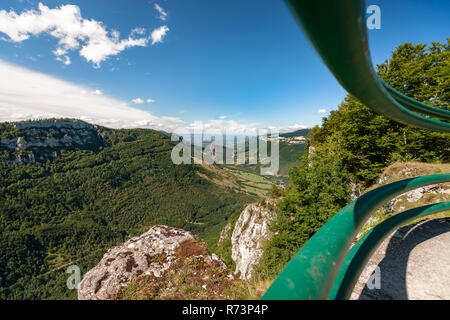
{"x": 360, "y": 253}
{"x": 324, "y": 268}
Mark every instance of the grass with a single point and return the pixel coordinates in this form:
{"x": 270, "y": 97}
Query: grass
{"x": 239, "y": 179}
{"x": 399, "y": 171}
{"x": 190, "y": 276}
{"x": 252, "y": 289}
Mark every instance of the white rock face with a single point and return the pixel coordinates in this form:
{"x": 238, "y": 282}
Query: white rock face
{"x": 41, "y": 138}
{"x": 149, "y": 254}
{"x": 250, "y": 232}
{"x": 224, "y": 233}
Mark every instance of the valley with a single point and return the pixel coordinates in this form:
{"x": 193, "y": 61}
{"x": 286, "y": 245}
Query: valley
{"x": 70, "y": 190}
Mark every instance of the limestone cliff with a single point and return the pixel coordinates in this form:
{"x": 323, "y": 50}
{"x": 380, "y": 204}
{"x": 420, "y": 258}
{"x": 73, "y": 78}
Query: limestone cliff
{"x": 27, "y": 142}
{"x": 250, "y": 232}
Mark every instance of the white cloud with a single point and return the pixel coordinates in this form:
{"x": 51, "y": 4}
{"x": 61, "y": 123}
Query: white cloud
{"x": 158, "y": 34}
{"x": 137, "y": 101}
{"x": 90, "y": 37}
{"x": 292, "y": 128}
{"x": 139, "y": 31}
{"x": 96, "y": 92}
{"x": 322, "y": 111}
{"x": 222, "y": 117}
{"x": 142, "y": 101}
{"x": 65, "y": 60}
{"x": 235, "y": 127}
{"x": 162, "y": 13}
{"x": 32, "y": 95}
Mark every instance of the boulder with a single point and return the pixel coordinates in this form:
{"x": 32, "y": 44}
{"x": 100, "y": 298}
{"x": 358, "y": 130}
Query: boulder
{"x": 152, "y": 262}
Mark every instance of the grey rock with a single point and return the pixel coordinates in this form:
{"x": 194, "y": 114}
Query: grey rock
{"x": 41, "y": 138}
{"x": 250, "y": 232}
{"x": 149, "y": 254}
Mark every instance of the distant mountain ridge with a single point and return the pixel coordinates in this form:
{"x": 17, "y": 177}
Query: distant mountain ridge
{"x": 297, "y": 133}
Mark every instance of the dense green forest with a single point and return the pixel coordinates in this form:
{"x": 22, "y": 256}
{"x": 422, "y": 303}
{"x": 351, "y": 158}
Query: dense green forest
{"x": 352, "y": 147}
{"x": 70, "y": 210}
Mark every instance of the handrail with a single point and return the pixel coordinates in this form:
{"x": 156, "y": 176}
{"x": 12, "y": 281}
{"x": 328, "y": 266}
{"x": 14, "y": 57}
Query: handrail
{"x": 416, "y": 105}
{"x": 361, "y": 252}
{"x": 311, "y": 272}
{"x": 337, "y": 30}
{"x": 338, "y": 33}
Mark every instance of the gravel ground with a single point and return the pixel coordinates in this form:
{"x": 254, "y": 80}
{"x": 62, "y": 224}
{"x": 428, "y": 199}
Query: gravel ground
{"x": 414, "y": 264}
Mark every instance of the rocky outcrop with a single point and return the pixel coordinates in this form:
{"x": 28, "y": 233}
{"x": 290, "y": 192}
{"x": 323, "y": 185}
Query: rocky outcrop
{"x": 399, "y": 203}
{"x": 224, "y": 233}
{"x": 43, "y": 140}
{"x": 411, "y": 199}
{"x": 154, "y": 260}
{"x": 420, "y": 196}
{"x": 250, "y": 232}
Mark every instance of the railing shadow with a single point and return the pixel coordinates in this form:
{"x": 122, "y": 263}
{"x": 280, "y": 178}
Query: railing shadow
{"x": 393, "y": 267}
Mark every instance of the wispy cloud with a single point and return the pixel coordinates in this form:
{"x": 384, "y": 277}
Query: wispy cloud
{"x": 32, "y": 95}
{"x": 322, "y": 111}
{"x": 291, "y": 128}
{"x": 137, "y": 101}
{"x": 162, "y": 13}
{"x": 142, "y": 101}
{"x": 96, "y": 92}
{"x": 90, "y": 37}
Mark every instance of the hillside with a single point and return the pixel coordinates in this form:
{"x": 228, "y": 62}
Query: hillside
{"x": 292, "y": 146}
{"x": 297, "y": 133}
{"x": 69, "y": 208}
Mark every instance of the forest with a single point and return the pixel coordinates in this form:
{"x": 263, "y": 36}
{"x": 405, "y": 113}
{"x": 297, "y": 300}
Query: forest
{"x": 71, "y": 209}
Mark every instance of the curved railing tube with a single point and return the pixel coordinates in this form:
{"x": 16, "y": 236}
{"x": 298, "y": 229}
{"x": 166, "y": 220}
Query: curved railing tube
{"x": 311, "y": 272}
{"x": 361, "y": 252}
{"x": 337, "y": 30}
{"x": 416, "y": 106}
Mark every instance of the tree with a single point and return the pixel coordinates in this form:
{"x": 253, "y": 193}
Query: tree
{"x": 369, "y": 141}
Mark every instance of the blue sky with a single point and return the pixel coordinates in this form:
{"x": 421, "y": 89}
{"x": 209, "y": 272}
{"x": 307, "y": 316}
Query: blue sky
{"x": 217, "y": 60}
